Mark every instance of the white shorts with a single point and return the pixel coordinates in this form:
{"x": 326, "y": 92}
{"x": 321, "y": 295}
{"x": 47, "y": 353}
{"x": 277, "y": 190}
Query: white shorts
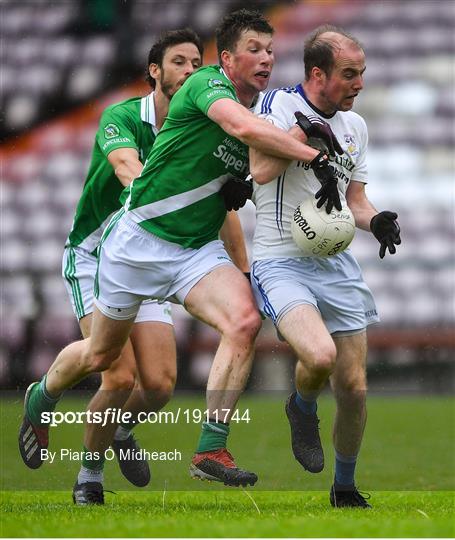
{"x": 134, "y": 265}
{"x": 334, "y": 286}
{"x": 79, "y": 270}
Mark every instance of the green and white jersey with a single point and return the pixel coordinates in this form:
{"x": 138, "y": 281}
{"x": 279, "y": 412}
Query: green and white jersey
{"x": 176, "y": 197}
{"x": 128, "y": 124}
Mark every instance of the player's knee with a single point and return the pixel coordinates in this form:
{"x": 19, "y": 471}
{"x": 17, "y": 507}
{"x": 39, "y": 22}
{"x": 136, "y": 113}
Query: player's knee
{"x": 322, "y": 361}
{"x": 159, "y": 391}
{"x": 100, "y": 361}
{"x": 351, "y": 387}
{"x": 245, "y": 325}
{"x": 119, "y": 379}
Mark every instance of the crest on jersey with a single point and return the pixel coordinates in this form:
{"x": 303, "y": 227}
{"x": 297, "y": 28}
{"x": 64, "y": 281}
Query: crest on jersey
{"x": 352, "y": 145}
{"x": 215, "y": 83}
{"x": 111, "y": 130}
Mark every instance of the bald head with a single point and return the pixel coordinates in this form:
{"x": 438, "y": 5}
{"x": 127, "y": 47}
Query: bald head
{"x": 324, "y": 45}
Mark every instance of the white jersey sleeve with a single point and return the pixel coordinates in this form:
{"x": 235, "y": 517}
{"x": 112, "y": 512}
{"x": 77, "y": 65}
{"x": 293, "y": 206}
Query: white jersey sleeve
{"x": 276, "y": 201}
{"x": 360, "y": 172}
{"x": 280, "y": 114}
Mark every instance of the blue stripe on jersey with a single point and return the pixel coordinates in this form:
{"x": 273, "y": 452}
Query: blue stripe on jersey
{"x": 268, "y": 308}
{"x": 267, "y": 101}
{"x": 279, "y": 203}
{"x": 266, "y": 105}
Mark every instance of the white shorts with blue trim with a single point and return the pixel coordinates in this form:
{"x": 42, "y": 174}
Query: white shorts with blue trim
{"x": 334, "y": 286}
{"x": 134, "y": 264}
{"x": 79, "y": 270}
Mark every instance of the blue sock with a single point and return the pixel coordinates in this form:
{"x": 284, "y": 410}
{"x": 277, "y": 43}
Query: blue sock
{"x": 344, "y": 469}
{"x": 306, "y": 406}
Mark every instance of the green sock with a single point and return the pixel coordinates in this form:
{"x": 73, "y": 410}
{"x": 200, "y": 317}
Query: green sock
{"x": 213, "y": 437}
{"x": 93, "y": 460}
{"x": 40, "y": 401}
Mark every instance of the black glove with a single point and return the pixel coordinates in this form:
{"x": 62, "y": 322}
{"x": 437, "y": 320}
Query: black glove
{"x": 236, "y": 192}
{"x": 326, "y": 175}
{"x": 314, "y": 127}
{"x": 387, "y": 231}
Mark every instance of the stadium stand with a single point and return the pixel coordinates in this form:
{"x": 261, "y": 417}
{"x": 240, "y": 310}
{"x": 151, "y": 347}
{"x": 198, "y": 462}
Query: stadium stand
{"x": 57, "y": 57}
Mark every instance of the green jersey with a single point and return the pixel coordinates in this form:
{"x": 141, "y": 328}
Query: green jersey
{"x": 128, "y": 124}
{"x": 176, "y": 197}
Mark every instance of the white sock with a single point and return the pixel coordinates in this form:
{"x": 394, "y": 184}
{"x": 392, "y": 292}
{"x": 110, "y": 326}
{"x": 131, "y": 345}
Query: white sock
{"x": 121, "y": 434}
{"x": 89, "y": 475}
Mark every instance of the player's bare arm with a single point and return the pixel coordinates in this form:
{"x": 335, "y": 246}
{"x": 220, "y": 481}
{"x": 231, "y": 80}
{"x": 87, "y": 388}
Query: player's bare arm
{"x": 257, "y": 133}
{"x": 360, "y": 206}
{"x": 232, "y": 235}
{"x": 264, "y": 167}
{"x": 126, "y": 164}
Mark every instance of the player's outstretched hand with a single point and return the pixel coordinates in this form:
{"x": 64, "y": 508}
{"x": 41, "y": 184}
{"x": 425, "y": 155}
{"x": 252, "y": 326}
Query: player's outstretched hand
{"x": 329, "y": 190}
{"x": 236, "y": 192}
{"x": 315, "y": 127}
{"x": 385, "y": 228}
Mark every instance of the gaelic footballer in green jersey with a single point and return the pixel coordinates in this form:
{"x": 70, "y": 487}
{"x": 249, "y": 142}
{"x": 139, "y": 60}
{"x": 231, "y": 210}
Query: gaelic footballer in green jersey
{"x": 128, "y": 124}
{"x": 126, "y": 134}
{"x": 177, "y": 195}
{"x": 147, "y": 252}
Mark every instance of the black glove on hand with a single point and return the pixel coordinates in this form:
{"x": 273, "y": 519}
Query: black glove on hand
{"x": 314, "y": 127}
{"x": 236, "y": 192}
{"x": 387, "y": 231}
{"x": 329, "y": 190}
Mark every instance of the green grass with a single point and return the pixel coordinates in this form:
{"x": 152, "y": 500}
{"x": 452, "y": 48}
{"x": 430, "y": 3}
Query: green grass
{"x": 407, "y": 463}
{"x": 227, "y": 514}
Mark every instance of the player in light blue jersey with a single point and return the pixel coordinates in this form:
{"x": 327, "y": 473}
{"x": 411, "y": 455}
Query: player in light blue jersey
{"x": 321, "y": 306}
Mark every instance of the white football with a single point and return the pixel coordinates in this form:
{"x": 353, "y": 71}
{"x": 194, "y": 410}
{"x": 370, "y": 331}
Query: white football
{"x": 319, "y": 234}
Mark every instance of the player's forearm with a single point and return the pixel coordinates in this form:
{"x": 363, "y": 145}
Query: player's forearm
{"x": 232, "y": 235}
{"x": 363, "y": 211}
{"x": 258, "y": 133}
{"x": 127, "y": 170}
{"x": 264, "y": 168}
{"x": 272, "y": 141}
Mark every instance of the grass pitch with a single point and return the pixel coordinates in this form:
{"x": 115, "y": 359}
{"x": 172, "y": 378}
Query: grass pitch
{"x": 227, "y": 514}
{"x": 407, "y": 463}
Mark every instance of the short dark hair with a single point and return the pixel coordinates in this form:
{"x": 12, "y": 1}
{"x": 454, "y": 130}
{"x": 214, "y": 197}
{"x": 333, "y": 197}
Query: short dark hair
{"x": 169, "y": 39}
{"x": 233, "y": 24}
{"x": 319, "y": 52}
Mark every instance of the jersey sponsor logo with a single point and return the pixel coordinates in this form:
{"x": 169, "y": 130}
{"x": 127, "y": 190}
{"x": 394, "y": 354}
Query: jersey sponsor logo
{"x": 110, "y": 131}
{"x": 116, "y": 141}
{"x": 230, "y": 160}
{"x": 219, "y": 91}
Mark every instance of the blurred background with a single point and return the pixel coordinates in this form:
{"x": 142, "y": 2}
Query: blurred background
{"x": 63, "y": 62}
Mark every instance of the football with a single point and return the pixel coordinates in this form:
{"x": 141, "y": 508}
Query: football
{"x": 319, "y": 234}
